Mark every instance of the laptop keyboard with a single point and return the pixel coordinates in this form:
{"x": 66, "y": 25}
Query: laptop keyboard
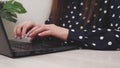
{"x": 25, "y": 46}
{"x": 45, "y": 47}
{"x": 34, "y": 46}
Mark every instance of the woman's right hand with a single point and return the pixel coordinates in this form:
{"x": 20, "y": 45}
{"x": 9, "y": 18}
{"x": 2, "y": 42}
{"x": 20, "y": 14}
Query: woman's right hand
{"x": 21, "y": 29}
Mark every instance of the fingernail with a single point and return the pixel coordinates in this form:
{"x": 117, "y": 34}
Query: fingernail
{"x": 39, "y": 34}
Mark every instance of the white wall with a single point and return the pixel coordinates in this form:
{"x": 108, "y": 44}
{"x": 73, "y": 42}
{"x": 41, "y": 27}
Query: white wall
{"x": 37, "y": 10}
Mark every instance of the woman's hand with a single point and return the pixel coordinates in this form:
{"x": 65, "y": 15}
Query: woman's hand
{"x": 21, "y": 29}
{"x": 48, "y": 30}
{"x": 39, "y": 29}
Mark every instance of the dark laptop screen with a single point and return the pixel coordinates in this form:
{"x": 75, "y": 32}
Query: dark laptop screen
{"x": 4, "y": 47}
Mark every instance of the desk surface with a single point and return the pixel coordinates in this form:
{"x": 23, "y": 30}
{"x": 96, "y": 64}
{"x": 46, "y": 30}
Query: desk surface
{"x": 67, "y": 59}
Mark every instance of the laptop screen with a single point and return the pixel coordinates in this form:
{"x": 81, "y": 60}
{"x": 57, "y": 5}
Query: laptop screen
{"x": 4, "y": 45}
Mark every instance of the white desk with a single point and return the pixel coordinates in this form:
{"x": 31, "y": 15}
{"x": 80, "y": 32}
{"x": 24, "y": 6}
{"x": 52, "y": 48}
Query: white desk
{"x": 68, "y": 59}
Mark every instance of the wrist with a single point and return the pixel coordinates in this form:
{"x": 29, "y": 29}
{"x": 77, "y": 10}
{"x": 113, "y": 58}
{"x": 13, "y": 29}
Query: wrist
{"x": 62, "y": 33}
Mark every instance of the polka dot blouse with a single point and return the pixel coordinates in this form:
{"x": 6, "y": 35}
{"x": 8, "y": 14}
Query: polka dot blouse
{"x": 103, "y": 35}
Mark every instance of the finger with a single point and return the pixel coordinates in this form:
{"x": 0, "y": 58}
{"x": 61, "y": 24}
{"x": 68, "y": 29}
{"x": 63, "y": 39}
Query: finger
{"x": 33, "y": 29}
{"x": 39, "y": 30}
{"x": 45, "y": 33}
{"x": 14, "y": 31}
{"x": 25, "y": 29}
{"x": 19, "y": 30}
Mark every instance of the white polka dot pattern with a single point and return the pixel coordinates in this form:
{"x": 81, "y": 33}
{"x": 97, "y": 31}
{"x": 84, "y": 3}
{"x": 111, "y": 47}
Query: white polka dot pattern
{"x": 102, "y": 34}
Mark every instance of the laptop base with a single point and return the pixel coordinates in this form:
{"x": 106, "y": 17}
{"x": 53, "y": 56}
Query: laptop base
{"x": 38, "y": 49}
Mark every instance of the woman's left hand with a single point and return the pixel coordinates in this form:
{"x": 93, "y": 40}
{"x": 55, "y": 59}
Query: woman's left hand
{"x": 48, "y": 30}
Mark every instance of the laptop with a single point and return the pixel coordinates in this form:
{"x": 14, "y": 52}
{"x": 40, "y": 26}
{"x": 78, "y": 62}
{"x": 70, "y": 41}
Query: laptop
{"x": 15, "y": 49}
